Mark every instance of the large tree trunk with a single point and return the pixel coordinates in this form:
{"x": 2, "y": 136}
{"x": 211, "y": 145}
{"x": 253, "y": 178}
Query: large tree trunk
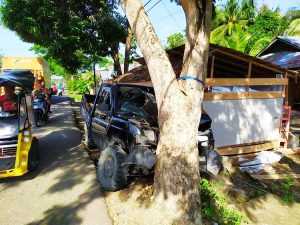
{"x": 127, "y": 49}
{"x": 116, "y": 59}
{"x": 176, "y": 183}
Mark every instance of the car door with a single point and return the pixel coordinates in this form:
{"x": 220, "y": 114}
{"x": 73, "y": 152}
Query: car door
{"x": 101, "y": 118}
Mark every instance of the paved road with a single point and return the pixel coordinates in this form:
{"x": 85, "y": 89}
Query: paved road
{"x": 64, "y": 189}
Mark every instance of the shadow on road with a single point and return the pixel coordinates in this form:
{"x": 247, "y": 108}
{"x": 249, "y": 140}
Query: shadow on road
{"x": 56, "y": 139}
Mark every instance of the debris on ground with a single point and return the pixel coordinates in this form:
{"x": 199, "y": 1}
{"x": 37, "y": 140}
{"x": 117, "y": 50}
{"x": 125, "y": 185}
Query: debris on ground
{"x": 260, "y": 161}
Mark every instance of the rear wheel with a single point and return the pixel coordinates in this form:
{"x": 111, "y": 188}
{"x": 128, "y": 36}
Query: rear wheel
{"x": 38, "y": 116}
{"x": 111, "y": 175}
{"x": 46, "y": 116}
{"x": 33, "y": 156}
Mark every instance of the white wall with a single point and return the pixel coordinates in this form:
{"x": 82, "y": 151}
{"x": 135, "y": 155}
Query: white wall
{"x": 244, "y": 121}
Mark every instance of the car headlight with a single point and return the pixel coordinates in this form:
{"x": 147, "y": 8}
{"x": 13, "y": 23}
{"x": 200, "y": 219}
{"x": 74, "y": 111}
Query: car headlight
{"x": 26, "y": 133}
{"x": 27, "y": 139}
{"x": 150, "y": 134}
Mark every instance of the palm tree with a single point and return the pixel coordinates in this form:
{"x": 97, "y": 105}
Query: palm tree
{"x": 259, "y": 45}
{"x": 232, "y": 17}
{"x": 248, "y": 10}
{"x": 227, "y": 18}
{"x": 294, "y": 28}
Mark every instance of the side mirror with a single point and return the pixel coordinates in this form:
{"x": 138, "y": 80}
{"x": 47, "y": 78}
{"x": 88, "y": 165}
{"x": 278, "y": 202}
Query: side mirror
{"x": 103, "y": 107}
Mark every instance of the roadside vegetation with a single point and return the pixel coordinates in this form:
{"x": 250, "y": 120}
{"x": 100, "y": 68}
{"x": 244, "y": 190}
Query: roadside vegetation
{"x": 215, "y": 208}
{"x": 76, "y": 37}
{"x": 241, "y": 25}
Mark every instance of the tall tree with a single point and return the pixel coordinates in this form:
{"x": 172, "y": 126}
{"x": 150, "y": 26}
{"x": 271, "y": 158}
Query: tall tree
{"x": 67, "y": 29}
{"x": 228, "y": 18}
{"x": 176, "y": 183}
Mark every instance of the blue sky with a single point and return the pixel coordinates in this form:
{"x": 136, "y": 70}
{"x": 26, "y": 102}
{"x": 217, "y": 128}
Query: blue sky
{"x": 166, "y": 17}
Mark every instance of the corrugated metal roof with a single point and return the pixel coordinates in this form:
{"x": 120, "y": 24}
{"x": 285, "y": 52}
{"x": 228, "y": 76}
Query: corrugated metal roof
{"x": 292, "y": 40}
{"x": 213, "y": 49}
{"x": 288, "y": 60}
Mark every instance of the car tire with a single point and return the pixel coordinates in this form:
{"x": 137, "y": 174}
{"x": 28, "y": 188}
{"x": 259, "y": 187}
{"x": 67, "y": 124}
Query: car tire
{"x": 38, "y": 116}
{"x": 88, "y": 142}
{"x": 33, "y": 156}
{"x": 46, "y": 116}
{"x": 111, "y": 175}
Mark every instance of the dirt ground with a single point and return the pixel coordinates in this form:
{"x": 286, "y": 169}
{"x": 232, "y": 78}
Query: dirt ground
{"x": 261, "y": 202}
{"x": 64, "y": 189}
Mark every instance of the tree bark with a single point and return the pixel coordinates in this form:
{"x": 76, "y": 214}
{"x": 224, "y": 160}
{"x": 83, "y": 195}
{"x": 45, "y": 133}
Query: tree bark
{"x": 116, "y": 59}
{"x": 176, "y": 181}
{"x": 127, "y": 49}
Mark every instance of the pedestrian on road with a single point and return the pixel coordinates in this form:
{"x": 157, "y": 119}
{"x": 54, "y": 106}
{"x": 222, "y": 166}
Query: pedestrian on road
{"x": 48, "y": 94}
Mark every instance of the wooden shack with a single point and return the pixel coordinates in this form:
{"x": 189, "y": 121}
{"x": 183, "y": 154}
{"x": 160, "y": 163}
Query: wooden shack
{"x": 244, "y": 98}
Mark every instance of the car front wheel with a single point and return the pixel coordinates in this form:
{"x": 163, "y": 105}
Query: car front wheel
{"x": 111, "y": 175}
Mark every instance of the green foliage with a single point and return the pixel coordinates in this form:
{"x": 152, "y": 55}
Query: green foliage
{"x": 175, "y": 40}
{"x": 239, "y": 25}
{"x": 77, "y": 85}
{"x": 288, "y": 196}
{"x": 89, "y": 78}
{"x": 214, "y": 207}
{"x": 230, "y": 16}
{"x": 72, "y": 33}
{"x": 81, "y": 86}
{"x": 294, "y": 28}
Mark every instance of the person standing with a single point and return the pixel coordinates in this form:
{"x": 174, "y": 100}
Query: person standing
{"x": 48, "y": 94}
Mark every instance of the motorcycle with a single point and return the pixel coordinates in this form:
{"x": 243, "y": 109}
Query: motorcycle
{"x": 40, "y": 110}
{"x": 60, "y": 91}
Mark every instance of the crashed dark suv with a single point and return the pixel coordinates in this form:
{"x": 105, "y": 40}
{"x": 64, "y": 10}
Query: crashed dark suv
{"x": 121, "y": 121}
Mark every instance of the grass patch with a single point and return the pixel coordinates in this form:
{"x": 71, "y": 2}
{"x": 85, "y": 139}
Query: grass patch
{"x": 214, "y": 207}
{"x": 288, "y": 196}
{"x": 76, "y": 97}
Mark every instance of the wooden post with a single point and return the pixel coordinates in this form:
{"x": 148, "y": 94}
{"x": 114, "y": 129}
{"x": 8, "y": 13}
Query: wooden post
{"x": 249, "y": 74}
{"x": 286, "y": 91}
{"x": 212, "y": 66}
{"x": 212, "y": 69}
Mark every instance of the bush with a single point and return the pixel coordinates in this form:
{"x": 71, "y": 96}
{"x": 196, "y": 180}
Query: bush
{"x": 214, "y": 207}
{"x": 78, "y": 85}
{"x": 71, "y": 85}
{"x": 81, "y": 86}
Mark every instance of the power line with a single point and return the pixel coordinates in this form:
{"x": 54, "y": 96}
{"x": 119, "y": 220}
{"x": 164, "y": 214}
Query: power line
{"x": 173, "y": 13}
{"x": 153, "y": 6}
{"x": 170, "y": 14}
{"x": 147, "y": 3}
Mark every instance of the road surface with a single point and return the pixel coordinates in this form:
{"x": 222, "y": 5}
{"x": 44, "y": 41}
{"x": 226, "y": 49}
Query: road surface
{"x": 64, "y": 189}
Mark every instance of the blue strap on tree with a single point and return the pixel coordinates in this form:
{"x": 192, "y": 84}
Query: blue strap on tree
{"x": 191, "y": 78}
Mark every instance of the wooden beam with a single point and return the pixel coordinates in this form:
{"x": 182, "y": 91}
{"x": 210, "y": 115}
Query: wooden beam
{"x": 245, "y": 81}
{"x": 232, "y": 150}
{"x": 286, "y": 89}
{"x": 255, "y": 63}
{"x": 212, "y": 66}
{"x": 275, "y": 176}
{"x": 249, "y": 74}
{"x": 210, "y": 96}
